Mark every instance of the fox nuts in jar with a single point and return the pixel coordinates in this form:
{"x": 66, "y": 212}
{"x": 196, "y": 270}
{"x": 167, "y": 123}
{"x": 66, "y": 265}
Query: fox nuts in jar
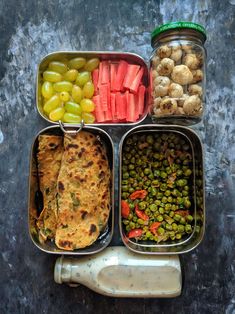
{"x": 177, "y": 73}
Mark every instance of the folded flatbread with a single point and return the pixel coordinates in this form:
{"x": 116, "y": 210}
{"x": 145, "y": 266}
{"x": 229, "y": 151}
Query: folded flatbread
{"x": 49, "y": 156}
{"x": 83, "y": 186}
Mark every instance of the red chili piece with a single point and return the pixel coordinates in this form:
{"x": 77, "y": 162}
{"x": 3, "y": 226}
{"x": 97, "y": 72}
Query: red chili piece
{"x": 135, "y": 233}
{"x": 154, "y": 226}
{"x": 125, "y": 209}
{"x": 140, "y": 213}
{"x": 138, "y": 194}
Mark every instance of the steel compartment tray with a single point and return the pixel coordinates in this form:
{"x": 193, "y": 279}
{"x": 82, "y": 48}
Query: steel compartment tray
{"x": 195, "y": 238}
{"x": 49, "y": 246}
{"x": 102, "y": 55}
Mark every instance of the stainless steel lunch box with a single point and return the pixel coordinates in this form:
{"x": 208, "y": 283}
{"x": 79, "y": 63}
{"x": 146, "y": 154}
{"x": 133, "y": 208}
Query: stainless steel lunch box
{"x": 195, "y": 238}
{"x": 102, "y": 55}
{"x": 105, "y": 237}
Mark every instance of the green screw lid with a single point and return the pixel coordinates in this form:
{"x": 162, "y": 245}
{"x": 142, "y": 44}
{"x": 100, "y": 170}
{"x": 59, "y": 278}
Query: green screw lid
{"x": 178, "y": 25}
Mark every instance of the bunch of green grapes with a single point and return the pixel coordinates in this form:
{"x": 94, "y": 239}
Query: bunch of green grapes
{"x": 68, "y": 89}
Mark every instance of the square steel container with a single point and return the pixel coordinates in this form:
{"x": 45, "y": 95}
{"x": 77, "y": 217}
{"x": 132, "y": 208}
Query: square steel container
{"x": 193, "y": 240}
{"x": 102, "y": 55}
{"x": 49, "y": 246}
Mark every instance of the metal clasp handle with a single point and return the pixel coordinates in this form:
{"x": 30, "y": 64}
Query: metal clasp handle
{"x": 75, "y": 131}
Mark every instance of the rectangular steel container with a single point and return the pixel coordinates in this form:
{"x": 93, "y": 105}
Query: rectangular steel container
{"x": 186, "y": 245}
{"x": 102, "y": 55}
{"x": 49, "y": 246}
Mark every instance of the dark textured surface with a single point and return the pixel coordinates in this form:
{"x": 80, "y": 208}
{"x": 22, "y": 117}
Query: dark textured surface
{"x": 31, "y": 29}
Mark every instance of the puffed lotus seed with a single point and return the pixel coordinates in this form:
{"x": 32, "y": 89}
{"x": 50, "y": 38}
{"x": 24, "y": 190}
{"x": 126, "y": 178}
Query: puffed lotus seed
{"x": 164, "y": 52}
{"x": 192, "y": 61}
{"x": 176, "y": 90}
{"x": 156, "y": 61}
{"x": 165, "y": 67}
{"x": 168, "y": 106}
{"x": 182, "y": 75}
{"x": 197, "y": 76}
{"x": 192, "y": 105}
{"x": 176, "y": 53}
{"x": 181, "y": 101}
{"x": 195, "y": 89}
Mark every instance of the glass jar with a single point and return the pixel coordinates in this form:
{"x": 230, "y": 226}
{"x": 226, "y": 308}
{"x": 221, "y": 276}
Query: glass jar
{"x": 177, "y": 73}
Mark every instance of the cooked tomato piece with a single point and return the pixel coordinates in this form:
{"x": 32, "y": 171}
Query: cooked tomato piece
{"x": 135, "y": 233}
{"x": 138, "y": 194}
{"x": 140, "y": 213}
{"x": 125, "y": 211}
{"x": 154, "y": 226}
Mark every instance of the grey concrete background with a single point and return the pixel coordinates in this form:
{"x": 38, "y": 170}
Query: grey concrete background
{"x": 31, "y": 29}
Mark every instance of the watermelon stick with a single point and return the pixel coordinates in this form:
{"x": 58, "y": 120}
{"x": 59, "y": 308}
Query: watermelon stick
{"x": 135, "y": 84}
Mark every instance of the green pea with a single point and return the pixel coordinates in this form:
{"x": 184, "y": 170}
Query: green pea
{"x": 163, "y": 174}
{"x": 187, "y": 172}
{"x": 125, "y": 188}
{"x": 128, "y": 228}
{"x": 160, "y": 230}
{"x": 189, "y": 218}
{"x": 151, "y": 176}
{"x": 155, "y": 183}
{"x": 174, "y": 226}
{"x": 167, "y": 193}
{"x": 185, "y": 193}
{"x": 187, "y": 203}
{"x": 142, "y": 205}
{"x": 171, "y": 214}
{"x": 153, "y": 207}
{"x": 130, "y": 216}
{"x": 178, "y": 236}
{"x": 147, "y": 171}
{"x": 179, "y": 173}
{"x": 125, "y": 175}
{"x": 148, "y": 211}
{"x": 164, "y": 199}
{"x": 177, "y": 217}
{"x": 168, "y": 227}
{"x": 163, "y": 187}
{"x": 125, "y": 195}
{"x": 131, "y": 190}
{"x": 157, "y": 202}
{"x": 188, "y": 229}
{"x": 159, "y": 218}
{"x": 132, "y": 225}
{"x": 134, "y": 219}
{"x": 181, "y": 182}
{"x": 169, "y": 199}
{"x": 182, "y": 221}
{"x": 131, "y": 205}
{"x": 161, "y": 210}
{"x": 181, "y": 228}
{"x": 131, "y": 167}
{"x": 125, "y": 221}
{"x": 137, "y": 225}
{"x": 140, "y": 221}
{"x": 149, "y": 139}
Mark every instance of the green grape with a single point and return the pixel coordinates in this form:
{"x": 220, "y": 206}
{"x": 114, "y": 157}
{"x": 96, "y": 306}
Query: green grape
{"x": 52, "y": 76}
{"x": 77, "y": 93}
{"x": 72, "y": 107}
{"x": 88, "y": 90}
{"x": 87, "y": 105}
{"x": 63, "y": 86}
{"x": 56, "y": 114}
{"x": 64, "y": 96}
{"x": 83, "y": 78}
{"x": 71, "y": 75}
{"x": 88, "y": 117}
{"x": 51, "y": 104}
{"x": 92, "y": 64}
{"x": 77, "y": 63}
{"x": 57, "y": 67}
{"x": 47, "y": 90}
{"x": 71, "y": 118}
